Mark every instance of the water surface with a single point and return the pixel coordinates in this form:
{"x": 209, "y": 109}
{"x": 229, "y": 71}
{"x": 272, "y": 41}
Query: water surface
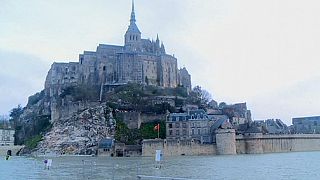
{"x": 302, "y": 165}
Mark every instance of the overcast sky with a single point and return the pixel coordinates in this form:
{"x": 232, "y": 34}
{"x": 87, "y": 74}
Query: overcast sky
{"x": 263, "y": 52}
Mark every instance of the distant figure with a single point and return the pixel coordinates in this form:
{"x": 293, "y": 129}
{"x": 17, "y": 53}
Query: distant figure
{"x": 9, "y": 153}
{"x": 45, "y": 163}
{"x": 48, "y": 164}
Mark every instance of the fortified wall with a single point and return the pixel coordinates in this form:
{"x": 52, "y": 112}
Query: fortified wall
{"x": 14, "y": 150}
{"x": 227, "y": 143}
{"x": 177, "y": 147}
{"x": 257, "y": 143}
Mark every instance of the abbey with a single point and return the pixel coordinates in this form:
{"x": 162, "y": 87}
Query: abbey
{"x": 139, "y": 61}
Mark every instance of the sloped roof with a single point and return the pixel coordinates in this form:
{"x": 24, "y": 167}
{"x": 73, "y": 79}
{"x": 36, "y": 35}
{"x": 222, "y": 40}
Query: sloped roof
{"x": 106, "y": 143}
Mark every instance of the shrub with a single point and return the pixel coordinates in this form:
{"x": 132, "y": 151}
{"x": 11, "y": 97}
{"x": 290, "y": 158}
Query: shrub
{"x": 33, "y": 141}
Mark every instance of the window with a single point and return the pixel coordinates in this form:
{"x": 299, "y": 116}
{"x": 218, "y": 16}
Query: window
{"x": 177, "y": 125}
{"x": 170, "y": 132}
{"x": 177, "y": 132}
{"x": 170, "y": 125}
{"x": 184, "y": 132}
{"x": 184, "y": 125}
{"x": 192, "y": 132}
{"x": 199, "y": 131}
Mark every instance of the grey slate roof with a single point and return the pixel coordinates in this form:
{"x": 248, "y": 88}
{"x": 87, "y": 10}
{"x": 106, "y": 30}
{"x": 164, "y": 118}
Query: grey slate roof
{"x": 106, "y": 143}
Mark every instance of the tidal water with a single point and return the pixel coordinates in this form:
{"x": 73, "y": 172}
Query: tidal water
{"x": 300, "y": 165}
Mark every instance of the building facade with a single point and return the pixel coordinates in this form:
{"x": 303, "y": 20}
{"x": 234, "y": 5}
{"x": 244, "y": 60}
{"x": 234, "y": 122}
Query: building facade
{"x": 139, "y": 60}
{"x": 195, "y": 124}
{"x": 271, "y": 126}
{"x": 6, "y": 137}
{"x": 306, "y": 125}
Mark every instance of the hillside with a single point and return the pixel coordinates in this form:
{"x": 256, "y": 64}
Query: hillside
{"x": 74, "y": 121}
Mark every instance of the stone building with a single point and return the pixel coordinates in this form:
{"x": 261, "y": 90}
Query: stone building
{"x": 271, "y": 126}
{"x": 195, "y": 124}
{"x": 239, "y": 115}
{"x": 6, "y": 137}
{"x": 306, "y": 125}
{"x": 139, "y": 60}
{"x": 184, "y": 78}
{"x": 106, "y": 147}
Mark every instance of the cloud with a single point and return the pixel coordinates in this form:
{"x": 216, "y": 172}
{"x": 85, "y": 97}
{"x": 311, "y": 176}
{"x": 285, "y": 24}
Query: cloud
{"x": 21, "y": 75}
{"x": 238, "y": 50}
{"x": 298, "y": 100}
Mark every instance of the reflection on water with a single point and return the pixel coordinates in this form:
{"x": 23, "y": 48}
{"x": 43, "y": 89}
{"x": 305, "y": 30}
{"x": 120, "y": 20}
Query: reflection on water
{"x": 302, "y": 165}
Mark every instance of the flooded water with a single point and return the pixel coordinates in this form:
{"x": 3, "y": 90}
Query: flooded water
{"x": 302, "y": 165}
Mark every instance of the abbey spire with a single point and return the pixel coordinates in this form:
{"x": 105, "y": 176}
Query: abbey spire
{"x": 133, "y": 15}
{"x": 132, "y": 38}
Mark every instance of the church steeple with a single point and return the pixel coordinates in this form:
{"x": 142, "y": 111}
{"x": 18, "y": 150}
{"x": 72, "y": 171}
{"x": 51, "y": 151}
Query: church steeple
{"x": 133, "y": 15}
{"x": 132, "y": 37}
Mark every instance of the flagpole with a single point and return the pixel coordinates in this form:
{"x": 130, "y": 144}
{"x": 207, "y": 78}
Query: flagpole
{"x": 158, "y": 130}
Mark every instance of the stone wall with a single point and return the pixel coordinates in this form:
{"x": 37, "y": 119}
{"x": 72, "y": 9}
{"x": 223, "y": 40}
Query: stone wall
{"x": 257, "y": 143}
{"x": 132, "y": 119}
{"x": 68, "y": 109}
{"x": 14, "y": 149}
{"x": 254, "y": 143}
{"x": 176, "y": 148}
{"x": 145, "y": 118}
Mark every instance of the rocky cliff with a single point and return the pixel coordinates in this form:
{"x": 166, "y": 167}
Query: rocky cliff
{"x": 62, "y": 124}
{"x": 79, "y": 134}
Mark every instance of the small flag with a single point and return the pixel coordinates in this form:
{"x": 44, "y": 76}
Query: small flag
{"x": 156, "y": 127}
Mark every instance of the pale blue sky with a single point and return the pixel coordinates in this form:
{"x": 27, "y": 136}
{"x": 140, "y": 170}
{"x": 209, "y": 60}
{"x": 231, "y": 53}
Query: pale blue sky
{"x": 264, "y": 52}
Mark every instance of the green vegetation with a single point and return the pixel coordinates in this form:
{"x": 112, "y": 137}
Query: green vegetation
{"x": 148, "y": 132}
{"x": 15, "y": 114}
{"x": 35, "y": 98}
{"x": 126, "y": 135}
{"x": 32, "y": 142}
{"x": 159, "y": 108}
{"x": 138, "y": 98}
{"x": 135, "y": 136}
{"x": 199, "y": 97}
{"x": 31, "y": 126}
{"x": 81, "y": 93}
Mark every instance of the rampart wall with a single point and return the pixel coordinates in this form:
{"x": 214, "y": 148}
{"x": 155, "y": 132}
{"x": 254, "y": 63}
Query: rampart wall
{"x": 258, "y": 143}
{"x": 14, "y": 149}
{"x": 255, "y": 143}
{"x": 177, "y": 148}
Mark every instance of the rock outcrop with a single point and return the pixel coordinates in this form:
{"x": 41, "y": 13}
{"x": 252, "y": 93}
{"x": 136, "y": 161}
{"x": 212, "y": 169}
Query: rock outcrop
{"x": 80, "y": 134}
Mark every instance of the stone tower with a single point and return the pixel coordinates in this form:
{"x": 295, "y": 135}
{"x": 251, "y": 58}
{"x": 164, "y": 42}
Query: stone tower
{"x": 132, "y": 38}
{"x": 226, "y": 141}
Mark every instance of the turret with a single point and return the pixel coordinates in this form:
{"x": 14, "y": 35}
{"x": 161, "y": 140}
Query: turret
{"x": 162, "y": 49}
